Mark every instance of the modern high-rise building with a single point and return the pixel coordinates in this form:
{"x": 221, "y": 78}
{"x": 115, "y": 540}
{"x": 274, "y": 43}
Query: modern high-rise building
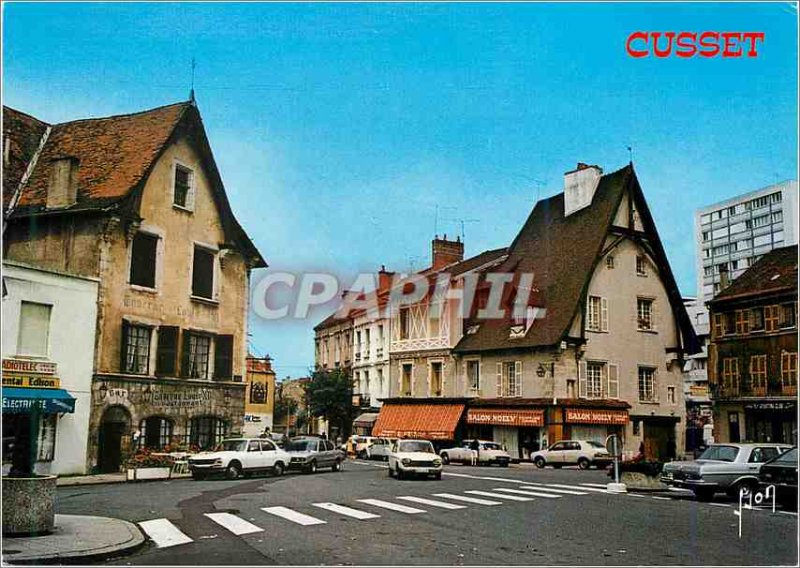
{"x": 732, "y": 234}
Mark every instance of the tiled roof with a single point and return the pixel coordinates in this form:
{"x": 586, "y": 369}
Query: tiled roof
{"x": 23, "y": 133}
{"x": 774, "y": 272}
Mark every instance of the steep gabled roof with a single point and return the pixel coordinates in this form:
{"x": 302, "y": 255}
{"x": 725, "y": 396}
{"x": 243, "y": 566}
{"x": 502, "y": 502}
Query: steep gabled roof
{"x": 773, "y": 273}
{"x": 115, "y": 157}
{"x": 561, "y": 253}
{"x": 23, "y": 134}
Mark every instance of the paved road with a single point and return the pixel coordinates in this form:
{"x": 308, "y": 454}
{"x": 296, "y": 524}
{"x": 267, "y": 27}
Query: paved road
{"x": 562, "y": 517}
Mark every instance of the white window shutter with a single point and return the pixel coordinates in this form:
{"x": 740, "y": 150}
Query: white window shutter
{"x": 499, "y": 379}
{"x": 582, "y": 379}
{"x": 518, "y": 378}
{"x": 466, "y": 377}
{"x": 613, "y": 381}
{"x": 653, "y": 318}
{"x": 603, "y": 314}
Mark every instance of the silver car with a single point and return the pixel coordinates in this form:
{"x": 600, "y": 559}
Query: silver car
{"x": 309, "y": 453}
{"x": 722, "y": 467}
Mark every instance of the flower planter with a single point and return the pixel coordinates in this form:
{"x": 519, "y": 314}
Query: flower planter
{"x": 146, "y": 473}
{"x": 28, "y": 505}
{"x": 636, "y": 481}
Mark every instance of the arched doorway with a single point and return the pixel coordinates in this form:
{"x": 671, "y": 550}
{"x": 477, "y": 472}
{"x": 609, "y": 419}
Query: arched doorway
{"x": 113, "y": 427}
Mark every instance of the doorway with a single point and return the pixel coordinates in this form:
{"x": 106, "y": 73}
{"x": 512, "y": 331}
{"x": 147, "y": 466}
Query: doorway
{"x": 113, "y": 427}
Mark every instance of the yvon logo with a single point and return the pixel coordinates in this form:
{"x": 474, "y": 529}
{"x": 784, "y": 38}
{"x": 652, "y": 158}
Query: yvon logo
{"x": 691, "y": 44}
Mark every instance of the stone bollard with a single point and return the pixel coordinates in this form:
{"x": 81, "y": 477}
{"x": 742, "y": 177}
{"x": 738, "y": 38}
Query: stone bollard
{"x": 28, "y": 505}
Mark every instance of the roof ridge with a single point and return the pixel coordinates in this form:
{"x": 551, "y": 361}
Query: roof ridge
{"x": 185, "y": 104}
{"x": 7, "y": 107}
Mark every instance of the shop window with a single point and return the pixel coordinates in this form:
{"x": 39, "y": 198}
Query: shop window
{"x": 647, "y": 384}
{"x": 206, "y": 432}
{"x": 34, "y": 329}
{"x": 196, "y": 351}
{"x": 436, "y": 379}
{"x": 474, "y": 375}
{"x": 203, "y": 273}
{"x": 155, "y": 432}
{"x": 46, "y": 443}
{"x": 135, "y": 349}
{"x": 143, "y": 260}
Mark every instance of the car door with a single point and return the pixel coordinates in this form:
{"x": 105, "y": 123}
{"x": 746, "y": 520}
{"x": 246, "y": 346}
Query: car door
{"x": 252, "y": 458}
{"x": 326, "y": 448}
{"x": 572, "y": 452}
{"x": 269, "y": 453}
{"x": 556, "y": 453}
{"x": 759, "y": 455}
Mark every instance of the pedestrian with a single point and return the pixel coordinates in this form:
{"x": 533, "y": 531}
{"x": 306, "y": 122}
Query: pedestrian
{"x": 475, "y": 446}
{"x": 640, "y": 455}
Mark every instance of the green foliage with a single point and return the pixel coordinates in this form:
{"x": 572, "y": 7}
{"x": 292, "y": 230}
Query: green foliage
{"x": 330, "y": 396}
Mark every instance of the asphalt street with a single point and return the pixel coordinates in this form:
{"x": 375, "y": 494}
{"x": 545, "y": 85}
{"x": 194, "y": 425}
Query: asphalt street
{"x": 538, "y": 517}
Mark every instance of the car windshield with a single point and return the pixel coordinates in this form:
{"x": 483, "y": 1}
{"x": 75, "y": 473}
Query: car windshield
{"x": 720, "y": 453}
{"x": 788, "y": 457}
{"x": 492, "y": 446}
{"x": 231, "y": 446}
{"x": 425, "y": 447}
{"x": 596, "y": 444}
{"x": 302, "y": 446}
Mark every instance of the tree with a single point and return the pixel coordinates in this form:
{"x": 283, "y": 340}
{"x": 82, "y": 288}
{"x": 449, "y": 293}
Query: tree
{"x": 330, "y": 396}
{"x": 284, "y": 407}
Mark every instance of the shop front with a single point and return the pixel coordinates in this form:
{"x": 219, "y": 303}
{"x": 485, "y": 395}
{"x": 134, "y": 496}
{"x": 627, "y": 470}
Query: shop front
{"x": 516, "y": 429}
{"x": 364, "y": 423}
{"x": 579, "y": 421}
{"x": 771, "y": 421}
{"x": 428, "y": 419}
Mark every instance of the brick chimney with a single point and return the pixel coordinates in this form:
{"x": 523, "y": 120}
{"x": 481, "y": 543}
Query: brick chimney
{"x": 444, "y": 252}
{"x": 579, "y": 187}
{"x": 384, "y": 279}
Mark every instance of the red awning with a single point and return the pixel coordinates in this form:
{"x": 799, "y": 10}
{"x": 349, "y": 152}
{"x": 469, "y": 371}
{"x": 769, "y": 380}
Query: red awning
{"x": 425, "y": 421}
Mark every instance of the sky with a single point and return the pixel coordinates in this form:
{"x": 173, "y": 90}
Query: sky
{"x": 348, "y": 134}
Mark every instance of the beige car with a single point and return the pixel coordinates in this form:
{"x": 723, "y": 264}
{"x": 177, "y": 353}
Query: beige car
{"x": 583, "y": 453}
{"x": 414, "y": 457}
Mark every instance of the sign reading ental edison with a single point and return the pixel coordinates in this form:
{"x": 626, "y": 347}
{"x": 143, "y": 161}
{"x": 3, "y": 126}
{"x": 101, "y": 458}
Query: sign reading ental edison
{"x": 31, "y": 381}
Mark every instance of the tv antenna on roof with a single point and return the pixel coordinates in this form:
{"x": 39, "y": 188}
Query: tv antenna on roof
{"x": 191, "y": 90}
{"x": 462, "y": 222}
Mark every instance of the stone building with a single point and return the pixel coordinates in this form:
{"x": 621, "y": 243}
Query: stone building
{"x": 137, "y": 202}
{"x": 259, "y": 396}
{"x": 752, "y": 367}
{"x": 596, "y": 347}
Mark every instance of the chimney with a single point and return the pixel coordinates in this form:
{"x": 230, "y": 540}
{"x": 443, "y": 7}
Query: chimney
{"x": 384, "y": 279}
{"x": 579, "y": 187}
{"x": 62, "y": 187}
{"x": 446, "y": 252}
{"x": 724, "y": 277}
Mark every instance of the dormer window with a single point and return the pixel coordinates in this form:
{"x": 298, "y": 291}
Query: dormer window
{"x": 183, "y": 188}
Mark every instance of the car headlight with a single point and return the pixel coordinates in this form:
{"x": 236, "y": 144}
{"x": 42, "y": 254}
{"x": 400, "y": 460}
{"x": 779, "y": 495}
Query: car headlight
{"x": 218, "y": 461}
{"x": 405, "y": 461}
{"x": 437, "y": 462}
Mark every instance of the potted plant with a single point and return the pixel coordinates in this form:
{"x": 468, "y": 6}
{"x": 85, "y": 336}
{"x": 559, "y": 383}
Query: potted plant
{"x": 143, "y": 465}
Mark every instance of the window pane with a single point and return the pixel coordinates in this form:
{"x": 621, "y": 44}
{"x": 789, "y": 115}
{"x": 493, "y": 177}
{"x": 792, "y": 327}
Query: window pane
{"x": 34, "y": 329}
{"x": 183, "y": 182}
{"x": 143, "y": 260}
{"x": 199, "y": 347}
{"x": 203, "y": 273}
{"x": 137, "y": 349}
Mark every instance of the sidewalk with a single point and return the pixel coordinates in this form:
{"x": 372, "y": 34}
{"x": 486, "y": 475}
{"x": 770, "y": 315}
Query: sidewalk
{"x": 106, "y": 478}
{"x": 76, "y": 538}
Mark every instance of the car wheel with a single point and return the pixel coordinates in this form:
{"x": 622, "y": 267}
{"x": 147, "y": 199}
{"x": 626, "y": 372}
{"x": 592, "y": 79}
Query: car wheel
{"x": 198, "y": 475}
{"x": 749, "y": 486}
{"x": 278, "y": 469}
{"x": 362, "y": 455}
{"x": 233, "y": 471}
{"x": 504, "y": 464}
{"x": 312, "y": 467}
{"x": 583, "y": 463}
{"x": 703, "y": 494}
{"x": 337, "y": 466}
{"x": 398, "y": 473}
{"x": 539, "y": 462}
{"x": 445, "y": 459}
{"x": 391, "y": 472}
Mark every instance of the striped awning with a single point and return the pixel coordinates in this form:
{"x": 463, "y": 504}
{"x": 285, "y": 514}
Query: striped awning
{"x": 424, "y": 421}
{"x": 366, "y": 419}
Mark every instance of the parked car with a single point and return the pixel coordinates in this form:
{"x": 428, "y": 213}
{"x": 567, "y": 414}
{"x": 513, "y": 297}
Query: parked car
{"x": 375, "y": 449}
{"x": 411, "y": 457}
{"x": 355, "y": 443}
{"x": 583, "y": 453}
{"x": 781, "y": 472}
{"x": 309, "y": 453}
{"x": 237, "y": 456}
{"x": 722, "y": 467}
{"x": 490, "y": 453}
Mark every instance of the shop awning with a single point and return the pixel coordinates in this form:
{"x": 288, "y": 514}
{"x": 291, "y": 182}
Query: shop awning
{"x": 20, "y": 400}
{"x": 365, "y": 420}
{"x": 425, "y": 421}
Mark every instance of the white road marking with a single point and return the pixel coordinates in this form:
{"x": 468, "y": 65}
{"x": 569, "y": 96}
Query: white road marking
{"x": 788, "y": 513}
{"x": 294, "y": 516}
{"x": 600, "y": 485}
{"x": 529, "y": 493}
{"x": 503, "y": 479}
{"x": 578, "y": 487}
{"x": 719, "y": 504}
{"x": 236, "y": 525}
{"x": 467, "y": 499}
{"x": 391, "y": 506}
{"x": 660, "y": 498}
{"x": 635, "y": 495}
{"x": 347, "y": 511}
{"x": 431, "y": 502}
{"x": 498, "y": 495}
{"x": 163, "y": 533}
{"x": 551, "y": 490}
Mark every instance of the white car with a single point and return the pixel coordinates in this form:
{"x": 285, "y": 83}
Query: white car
{"x": 489, "y": 453}
{"x": 583, "y": 453}
{"x": 414, "y": 457}
{"x": 238, "y": 456}
{"x": 375, "y": 449}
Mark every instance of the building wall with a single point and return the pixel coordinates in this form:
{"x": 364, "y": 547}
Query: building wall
{"x": 370, "y": 360}
{"x": 71, "y": 343}
{"x": 259, "y": 416}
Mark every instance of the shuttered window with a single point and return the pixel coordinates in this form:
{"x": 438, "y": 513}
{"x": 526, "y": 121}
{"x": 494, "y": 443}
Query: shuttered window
{"x": 509, "y": 378}
{"x": 613, "y": 381}
{"x": 144, "y": 250}
{"x": 34, "y": 329}
{"x": 167, "y": 351}
{"x": 135, "y": 352}
{"x": 183, "y": 193}
{"x": 203, "y": 273}
{"x": 223, "y": 358}
{"x": 196, "y": 352}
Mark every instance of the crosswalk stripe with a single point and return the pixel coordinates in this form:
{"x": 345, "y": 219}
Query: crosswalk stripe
{"x": 431, "y": 502}
{"x": 529, "y": 493}
{"x": 163, "y": 533}
{"x": 498, "y": 495}
{"x": 719, "y": 504}
{"x": 579, "y": 487}
{"x": 294, "y": 516}
{"x": 600, "y": 485}
{"x": 392, "y": 506}
{"x": 635, "y": 495}
{"x": 788, "y": 513}
{"x": 466, "y": 499}
{"x": 660, "y": 498}
{"x": 346, "y": 511}
{"x": 551, "y": 490}
{"x": 236, "y": 525}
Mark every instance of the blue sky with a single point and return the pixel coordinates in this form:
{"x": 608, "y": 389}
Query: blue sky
{"x": 339, "y": 128}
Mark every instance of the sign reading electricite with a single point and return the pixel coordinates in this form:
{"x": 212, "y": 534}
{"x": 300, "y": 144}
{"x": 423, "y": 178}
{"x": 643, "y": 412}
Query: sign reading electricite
{"x": 595, "y": 416}
{"x": 505, "y": 417}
